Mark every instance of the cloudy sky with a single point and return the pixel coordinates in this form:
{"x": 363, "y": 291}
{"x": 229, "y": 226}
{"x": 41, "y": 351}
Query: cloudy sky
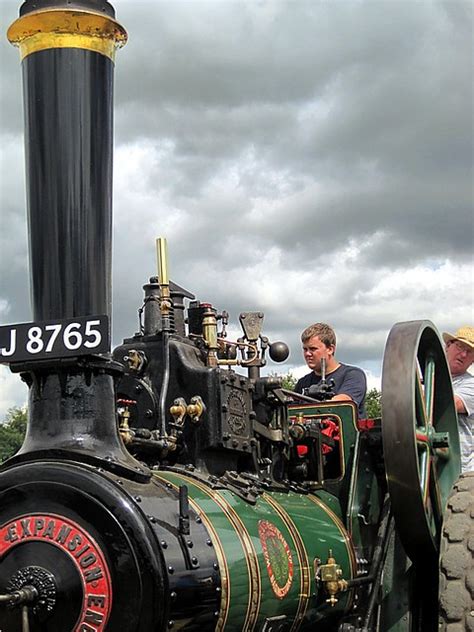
{"x": 312, "y": 160}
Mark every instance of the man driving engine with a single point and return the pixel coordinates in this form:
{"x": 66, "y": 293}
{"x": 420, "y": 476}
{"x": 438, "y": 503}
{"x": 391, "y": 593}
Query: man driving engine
{"x": 347, "y": 383}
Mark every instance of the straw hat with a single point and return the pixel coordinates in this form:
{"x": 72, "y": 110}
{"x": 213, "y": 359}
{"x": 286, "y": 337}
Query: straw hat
{"x": 463, "y": 334}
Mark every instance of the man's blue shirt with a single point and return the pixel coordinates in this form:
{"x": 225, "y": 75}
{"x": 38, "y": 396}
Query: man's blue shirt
{"x": 347, "y": 379}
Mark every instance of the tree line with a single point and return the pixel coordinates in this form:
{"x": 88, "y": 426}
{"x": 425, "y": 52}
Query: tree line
{"x": 12, "y": 432}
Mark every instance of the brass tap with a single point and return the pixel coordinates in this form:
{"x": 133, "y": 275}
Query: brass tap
{"x": 124, "y": 428}
{"x": 178, "y": 411}
{"x": 196, "y": 408}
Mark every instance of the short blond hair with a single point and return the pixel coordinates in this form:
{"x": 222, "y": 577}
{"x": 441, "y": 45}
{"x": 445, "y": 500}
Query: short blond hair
{"x": 324, "y": 332}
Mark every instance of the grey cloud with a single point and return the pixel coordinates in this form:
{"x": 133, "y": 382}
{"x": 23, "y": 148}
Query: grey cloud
{"x": 378, "y": 78}
{"x": 11, "y": 111}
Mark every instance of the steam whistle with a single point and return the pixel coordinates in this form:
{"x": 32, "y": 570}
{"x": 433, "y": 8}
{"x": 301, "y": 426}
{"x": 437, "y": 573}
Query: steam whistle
{"x": 163, "y": 282}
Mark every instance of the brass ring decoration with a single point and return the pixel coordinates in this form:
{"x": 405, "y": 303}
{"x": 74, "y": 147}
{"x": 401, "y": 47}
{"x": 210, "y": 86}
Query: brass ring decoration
{"x": 59, "y": 28}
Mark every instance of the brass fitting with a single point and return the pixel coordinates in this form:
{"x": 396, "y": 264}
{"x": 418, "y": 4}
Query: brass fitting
{"x": 162, "y": 257}
{"x": 124, "y": 428}
{"x": 178, "y": 411}
{"x": 135, "y": 360}
{"x": 331, "y": 576}
{"x": 196, "y": 408}
{"x": 165, "y": 301}
{"x": 209, "y": 332}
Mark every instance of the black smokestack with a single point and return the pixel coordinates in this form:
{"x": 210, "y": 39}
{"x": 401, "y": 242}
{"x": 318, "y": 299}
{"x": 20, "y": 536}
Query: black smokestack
{"x": 67, "y": 50}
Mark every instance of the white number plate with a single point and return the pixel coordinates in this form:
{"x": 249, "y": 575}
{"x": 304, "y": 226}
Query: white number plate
{"x": 54, "y": 339}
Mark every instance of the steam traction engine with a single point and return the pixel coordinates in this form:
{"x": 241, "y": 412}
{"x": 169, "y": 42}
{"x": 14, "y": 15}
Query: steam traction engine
{"x": 171, "y": 486}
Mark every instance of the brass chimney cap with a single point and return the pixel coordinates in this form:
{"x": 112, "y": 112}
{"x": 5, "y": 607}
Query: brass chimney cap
{"x": 67, "y": 28}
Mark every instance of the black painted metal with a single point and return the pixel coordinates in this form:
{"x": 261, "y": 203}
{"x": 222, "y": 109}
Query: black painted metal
{"x": 135, "y": 526}
{"x": 72, "y": 414}
{"x": 151, "y": 308}
{"x": 178, "y": 294}
{"x": 98, "y": 6}
{"x": 68, "y": 133}
{"x": 68, "y": 97}
{"x": 108, "y": 513}
{"x": 221, "y": 441}
{"x": 152, "y": 324}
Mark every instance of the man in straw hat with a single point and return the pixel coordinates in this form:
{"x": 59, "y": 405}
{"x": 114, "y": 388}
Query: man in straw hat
{"x": 460, "y": 354}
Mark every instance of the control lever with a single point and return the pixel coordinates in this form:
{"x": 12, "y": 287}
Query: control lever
{"x": 324, "y": 390}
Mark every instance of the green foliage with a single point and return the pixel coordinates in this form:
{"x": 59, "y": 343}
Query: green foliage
{"x": 373, "y": 403}
{"x": 12, "y": 432}
{"x": 288, "y": 380}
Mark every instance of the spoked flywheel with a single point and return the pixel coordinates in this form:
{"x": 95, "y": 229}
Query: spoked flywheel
{"x": 420, "y": 434}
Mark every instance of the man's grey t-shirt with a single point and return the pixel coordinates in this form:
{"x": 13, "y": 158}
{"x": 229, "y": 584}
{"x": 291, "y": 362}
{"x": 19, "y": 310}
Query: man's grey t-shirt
{"x": 463, "y": 387}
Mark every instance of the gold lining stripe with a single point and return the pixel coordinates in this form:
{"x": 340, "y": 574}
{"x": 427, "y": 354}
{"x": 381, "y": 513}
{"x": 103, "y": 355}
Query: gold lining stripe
{"x": 255, "y": 583}
{"x": 340, "y": 448}
{"x": 322, "y": 405}
{"x": 223, "y": 568}
{"x": 305, "y": 576}
{"x": 322, "y": 415}
{"x": 59, "y": 28}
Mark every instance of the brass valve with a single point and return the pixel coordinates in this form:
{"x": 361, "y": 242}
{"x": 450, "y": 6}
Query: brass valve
{"x": 124, "y": 427}
{"x": 331, "y": 576}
